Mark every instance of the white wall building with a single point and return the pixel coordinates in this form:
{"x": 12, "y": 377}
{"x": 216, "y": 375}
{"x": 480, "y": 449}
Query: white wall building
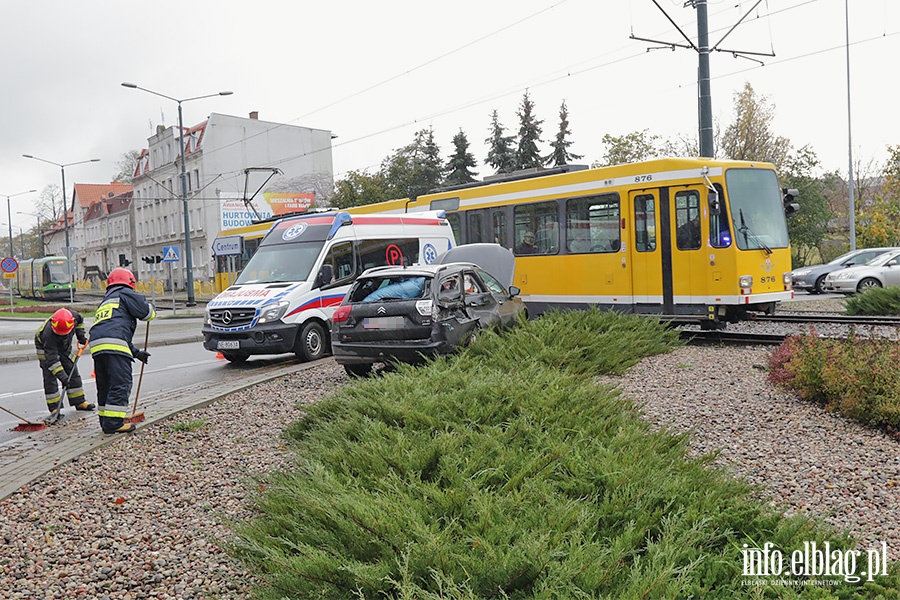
{"x": 217, "y": 153}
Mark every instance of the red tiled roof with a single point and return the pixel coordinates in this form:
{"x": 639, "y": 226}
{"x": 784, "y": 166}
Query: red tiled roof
{"x": 88, "y": 193}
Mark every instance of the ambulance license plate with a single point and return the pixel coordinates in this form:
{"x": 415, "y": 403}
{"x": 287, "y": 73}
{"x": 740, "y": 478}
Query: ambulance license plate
{"x": 228, "y": 345}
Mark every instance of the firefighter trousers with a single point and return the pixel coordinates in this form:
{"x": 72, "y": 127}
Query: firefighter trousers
{"x": 113, "y": 376}
{"x": 74, "y": 390}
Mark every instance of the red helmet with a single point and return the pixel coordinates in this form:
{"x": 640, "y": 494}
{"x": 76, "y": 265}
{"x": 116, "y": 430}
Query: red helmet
{"x": 62, "y": 322}
{"x": 120, "y": 275}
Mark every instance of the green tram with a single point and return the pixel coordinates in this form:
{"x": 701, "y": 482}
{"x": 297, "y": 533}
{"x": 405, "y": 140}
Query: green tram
{"x": 45, "y": 278}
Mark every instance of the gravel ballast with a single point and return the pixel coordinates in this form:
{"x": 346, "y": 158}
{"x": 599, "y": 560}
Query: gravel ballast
{"x": 146, "y": 517}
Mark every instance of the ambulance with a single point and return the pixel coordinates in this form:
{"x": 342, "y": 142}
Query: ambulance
{"x": 283, "y": 300}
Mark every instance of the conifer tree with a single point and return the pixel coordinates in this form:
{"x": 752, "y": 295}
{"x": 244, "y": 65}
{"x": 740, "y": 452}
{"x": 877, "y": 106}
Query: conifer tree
{"x": 414, "y": 169}
{"x": 501, "y": 155}
{"x": 458, "y": 170}
{"x": 560, "y": 154}
{"x": 527, "y": 155}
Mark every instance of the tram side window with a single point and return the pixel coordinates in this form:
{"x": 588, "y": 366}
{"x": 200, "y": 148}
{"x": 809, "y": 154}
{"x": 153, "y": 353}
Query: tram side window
{"x": 475, "y": 235}
{"x": 719, "y": 230}
{"x": 498, "y": 228}
{"x": 687, "y": 220}
{"x": 592, "y": 224}
{"x": 645, "y": 223}
{"x": 453, "y": 219}
{"x": 340, "y": 257}
{"x": 537, "y": 228}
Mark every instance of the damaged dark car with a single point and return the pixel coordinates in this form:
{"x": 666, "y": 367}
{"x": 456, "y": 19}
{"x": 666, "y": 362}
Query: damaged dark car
{"x": 407, "y": 314}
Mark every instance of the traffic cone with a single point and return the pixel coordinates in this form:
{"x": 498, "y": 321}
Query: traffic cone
{"x": 94, "y": 374}
{"x": 220, "y": 355}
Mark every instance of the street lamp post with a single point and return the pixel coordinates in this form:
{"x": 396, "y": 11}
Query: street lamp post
{"x": 21, "y": 240}
{"x": 37, "y": 231}
{"x": 62, "y": 169}
{"x": 9, "y": 216}
{"x": 189, "y": 261}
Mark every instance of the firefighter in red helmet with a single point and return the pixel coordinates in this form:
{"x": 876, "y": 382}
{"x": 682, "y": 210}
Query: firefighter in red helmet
{"x": 56, "y": 354}
{"x": 112, "y": 350}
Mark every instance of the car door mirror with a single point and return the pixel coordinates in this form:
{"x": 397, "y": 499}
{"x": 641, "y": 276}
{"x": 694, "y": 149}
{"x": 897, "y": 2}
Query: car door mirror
{"x": 324, "y": 276}
{"x": 514, "y": 291}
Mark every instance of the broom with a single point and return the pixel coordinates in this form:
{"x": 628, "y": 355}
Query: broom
{"x": 27, "y": 425}
{"x": 137, "y": 417}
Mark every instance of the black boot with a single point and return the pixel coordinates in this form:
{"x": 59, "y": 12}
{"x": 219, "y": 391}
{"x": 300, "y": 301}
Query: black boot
{"x": 126, "y": 428}
{"x": 84, "y": 406}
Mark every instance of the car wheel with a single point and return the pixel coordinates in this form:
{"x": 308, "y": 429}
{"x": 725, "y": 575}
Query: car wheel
{"x": 358, "y": 370}
{"x": 819, "y": 287}
{"x": 235, "y": 358}
{"x": 311, "y": 343}
{"x": 867, "y": 284}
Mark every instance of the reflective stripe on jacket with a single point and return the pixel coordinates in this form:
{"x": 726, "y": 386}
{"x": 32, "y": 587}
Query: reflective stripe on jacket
{"x": 50, "y": 345}
{"x": 116, "y": 319}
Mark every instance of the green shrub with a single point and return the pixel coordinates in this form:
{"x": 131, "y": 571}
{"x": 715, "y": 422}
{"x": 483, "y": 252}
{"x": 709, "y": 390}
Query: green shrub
{"x": 876, "y": 301}
{"x": 858, "y": 377}
{"x": 507, "y": 472}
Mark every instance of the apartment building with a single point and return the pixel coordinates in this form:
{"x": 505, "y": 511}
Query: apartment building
{"x": 226, "y": 158}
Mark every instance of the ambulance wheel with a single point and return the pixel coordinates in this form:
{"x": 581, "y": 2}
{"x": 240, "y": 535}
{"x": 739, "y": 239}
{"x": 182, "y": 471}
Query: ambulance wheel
{"x": 310, "y": 344}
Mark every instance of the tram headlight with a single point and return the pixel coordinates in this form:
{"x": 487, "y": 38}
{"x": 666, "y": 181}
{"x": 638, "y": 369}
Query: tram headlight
{"x": 788, "y": 280}
{"x": 746, "y": 284}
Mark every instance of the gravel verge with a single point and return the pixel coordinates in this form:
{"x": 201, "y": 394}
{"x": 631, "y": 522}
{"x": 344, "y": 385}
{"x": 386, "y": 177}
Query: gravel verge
{"x": 806, "y": 460}
{"x": 146, "y": 517}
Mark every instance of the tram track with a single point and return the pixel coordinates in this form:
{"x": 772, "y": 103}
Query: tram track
{"x": 876, "y": 321}
{"x": 730, "y": 338}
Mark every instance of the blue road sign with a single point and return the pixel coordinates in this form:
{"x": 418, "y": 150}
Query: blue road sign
{"x": 170, "y": 254}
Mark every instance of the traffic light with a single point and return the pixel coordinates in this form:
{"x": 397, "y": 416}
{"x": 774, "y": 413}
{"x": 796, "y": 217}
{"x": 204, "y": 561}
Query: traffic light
{"x": 123, "y": 262}
{"x": 157, "y": 258}
{"x": 147, "y": 259}
{"x": 789, "y": 195}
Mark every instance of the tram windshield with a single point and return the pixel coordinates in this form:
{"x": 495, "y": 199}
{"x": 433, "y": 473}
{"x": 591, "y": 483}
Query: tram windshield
{"x": 56, "y": 272}
{"x": 281, "y": 263}
{"x": 756, "y": 209}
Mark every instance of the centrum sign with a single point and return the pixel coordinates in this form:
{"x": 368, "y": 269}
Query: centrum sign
{"x": 227, "y": 246}
{"x": 235, "y": 214}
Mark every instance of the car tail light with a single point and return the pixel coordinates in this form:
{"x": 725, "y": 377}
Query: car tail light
{"x": 341, "y": 314}
{"x": 424, "y": 307}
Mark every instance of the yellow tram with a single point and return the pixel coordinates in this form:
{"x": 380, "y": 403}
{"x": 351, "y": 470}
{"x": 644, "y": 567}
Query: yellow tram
{"x": 693, "y": 238}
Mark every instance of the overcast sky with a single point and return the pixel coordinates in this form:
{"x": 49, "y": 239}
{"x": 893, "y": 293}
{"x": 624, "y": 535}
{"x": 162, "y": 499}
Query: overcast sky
{"x": 374, "y": 73}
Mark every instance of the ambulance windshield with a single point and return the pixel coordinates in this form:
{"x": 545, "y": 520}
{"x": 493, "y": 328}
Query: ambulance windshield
{"x": 285, "y": 263}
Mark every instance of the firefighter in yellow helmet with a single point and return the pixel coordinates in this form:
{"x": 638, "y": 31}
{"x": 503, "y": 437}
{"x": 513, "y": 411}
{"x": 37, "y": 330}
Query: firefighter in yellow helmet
{"x": 112, "y": 350}
{"x": 56, "y": 354}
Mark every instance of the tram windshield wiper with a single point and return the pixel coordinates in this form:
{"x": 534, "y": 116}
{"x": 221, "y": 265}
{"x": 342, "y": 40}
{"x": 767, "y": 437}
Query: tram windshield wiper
{"x": 744, "y": 229}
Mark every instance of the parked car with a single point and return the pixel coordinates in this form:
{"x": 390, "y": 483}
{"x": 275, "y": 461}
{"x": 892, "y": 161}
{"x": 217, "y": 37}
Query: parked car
{"x": 881, "y": 271}
{"x": 405, "y": 314}
{"x": 812, "y": 278}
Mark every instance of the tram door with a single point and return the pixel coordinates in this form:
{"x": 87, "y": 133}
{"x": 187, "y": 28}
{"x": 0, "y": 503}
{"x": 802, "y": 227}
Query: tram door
{"x": 687, "y": 238}
{"x": 646, "y": 261}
